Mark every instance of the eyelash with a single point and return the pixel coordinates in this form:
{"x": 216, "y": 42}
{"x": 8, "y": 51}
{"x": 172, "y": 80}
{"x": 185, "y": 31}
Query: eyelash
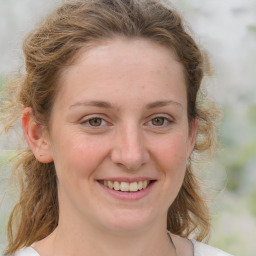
{"x": 166, "y": 122}
{"x": 86, "y": 122}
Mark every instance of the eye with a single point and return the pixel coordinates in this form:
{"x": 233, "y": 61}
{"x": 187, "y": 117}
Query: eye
{"x": 95, "y": 121}
{"x": 158, "y": 121}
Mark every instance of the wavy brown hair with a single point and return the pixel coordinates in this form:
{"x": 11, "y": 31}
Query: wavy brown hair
{"x": 52, "y": 47}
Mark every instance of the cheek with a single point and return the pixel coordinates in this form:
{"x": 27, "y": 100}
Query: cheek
{"x": 77, "y": 156}
{"x": 171, "y": 158}
{"x": 172, "y": 153}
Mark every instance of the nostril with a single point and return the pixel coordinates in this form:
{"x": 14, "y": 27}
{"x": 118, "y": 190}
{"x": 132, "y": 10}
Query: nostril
{"x": 131, "y": 154}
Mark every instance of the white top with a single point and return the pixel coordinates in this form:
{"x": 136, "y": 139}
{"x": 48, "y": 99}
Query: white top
{"x": 200, "y": 249}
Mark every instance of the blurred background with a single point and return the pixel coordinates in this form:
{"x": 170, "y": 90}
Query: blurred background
{"x": 227, "y": 30}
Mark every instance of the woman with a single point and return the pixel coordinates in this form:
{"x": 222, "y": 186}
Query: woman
{"x": 112, "y": 113}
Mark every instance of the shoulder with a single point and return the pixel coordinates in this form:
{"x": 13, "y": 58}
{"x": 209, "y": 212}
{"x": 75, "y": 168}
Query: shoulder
{"x": 26, "y": 251}
{"x": 201, "y": 249}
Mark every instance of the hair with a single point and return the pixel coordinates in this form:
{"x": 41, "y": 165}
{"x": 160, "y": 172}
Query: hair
{"x": 53, "y": 46}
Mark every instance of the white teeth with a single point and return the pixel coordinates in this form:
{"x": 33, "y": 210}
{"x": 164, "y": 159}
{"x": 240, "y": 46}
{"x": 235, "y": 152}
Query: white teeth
{"x": 140, "y": 185}
{"x": 126, "y": 186}
{"x": 145, "y": 184}
{"x": 116, "y": 185}
{"x": 134, "y": 186}
{"x": 109, "y": 184}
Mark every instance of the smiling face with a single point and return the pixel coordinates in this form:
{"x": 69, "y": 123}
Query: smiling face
{"x": 119, "y": 135}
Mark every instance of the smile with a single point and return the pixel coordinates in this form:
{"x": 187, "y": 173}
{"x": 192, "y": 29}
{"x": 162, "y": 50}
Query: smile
{"x": 126, "y": 186}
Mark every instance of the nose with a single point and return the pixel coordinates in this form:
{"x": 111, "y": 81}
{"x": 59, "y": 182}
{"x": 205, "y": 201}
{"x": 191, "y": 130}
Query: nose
{"x": 129, "y": 149}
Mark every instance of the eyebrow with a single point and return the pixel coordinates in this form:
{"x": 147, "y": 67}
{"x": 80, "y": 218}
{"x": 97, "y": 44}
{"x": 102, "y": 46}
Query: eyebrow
{"x": 94, "y": 103}
{"x": 108, "y": 105}
{"x": 163, "y": 103}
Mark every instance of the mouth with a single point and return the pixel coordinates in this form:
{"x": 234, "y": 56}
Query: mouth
{"x": 124, "y": 186}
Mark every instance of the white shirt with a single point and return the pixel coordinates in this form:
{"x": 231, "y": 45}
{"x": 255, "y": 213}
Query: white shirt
{"x": 200, "y": 249}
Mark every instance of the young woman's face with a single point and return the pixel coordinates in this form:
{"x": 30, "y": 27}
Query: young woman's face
{"x": 119, "y": 135}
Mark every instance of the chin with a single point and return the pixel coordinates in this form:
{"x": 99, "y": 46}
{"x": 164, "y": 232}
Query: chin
{"x": 128, "y": 221}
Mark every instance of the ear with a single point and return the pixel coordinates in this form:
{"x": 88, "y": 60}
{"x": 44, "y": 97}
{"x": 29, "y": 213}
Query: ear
{"x": 192, "y": 135}
{"x": 36, "y": 136}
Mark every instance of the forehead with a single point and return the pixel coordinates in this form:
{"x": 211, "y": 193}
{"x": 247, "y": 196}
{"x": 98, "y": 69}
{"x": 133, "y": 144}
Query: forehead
{"x": 122, "y": 46}
{"x": 116, "y": 63}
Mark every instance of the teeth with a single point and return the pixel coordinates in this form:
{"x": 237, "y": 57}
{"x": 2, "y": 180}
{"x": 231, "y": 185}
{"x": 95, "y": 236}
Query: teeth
{"x": 145, "y": 184}
{"x": 116, "y": 185}
{"x": 140, "y": 185}
{"x": 134, "y": 186}
{"x": 126, "y": 186}
{"x": 109, "y": 184}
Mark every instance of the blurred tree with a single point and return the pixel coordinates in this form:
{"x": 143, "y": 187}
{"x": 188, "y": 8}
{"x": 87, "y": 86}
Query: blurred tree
{"x": 252, "y": 29}
{"x": 2, "y": 79}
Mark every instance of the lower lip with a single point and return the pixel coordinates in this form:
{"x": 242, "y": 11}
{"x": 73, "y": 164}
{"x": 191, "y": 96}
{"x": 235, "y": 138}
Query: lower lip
{"x": 128, "y": 195}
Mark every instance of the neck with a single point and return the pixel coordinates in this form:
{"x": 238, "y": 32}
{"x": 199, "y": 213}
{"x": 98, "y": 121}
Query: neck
{"x": 85, "y": 240}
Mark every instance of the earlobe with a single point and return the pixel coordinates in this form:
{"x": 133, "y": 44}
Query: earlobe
{"x": 36, "y": 137}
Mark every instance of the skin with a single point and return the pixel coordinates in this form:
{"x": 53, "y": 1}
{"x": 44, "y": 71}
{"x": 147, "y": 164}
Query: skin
{"x": 136, "y": 91}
